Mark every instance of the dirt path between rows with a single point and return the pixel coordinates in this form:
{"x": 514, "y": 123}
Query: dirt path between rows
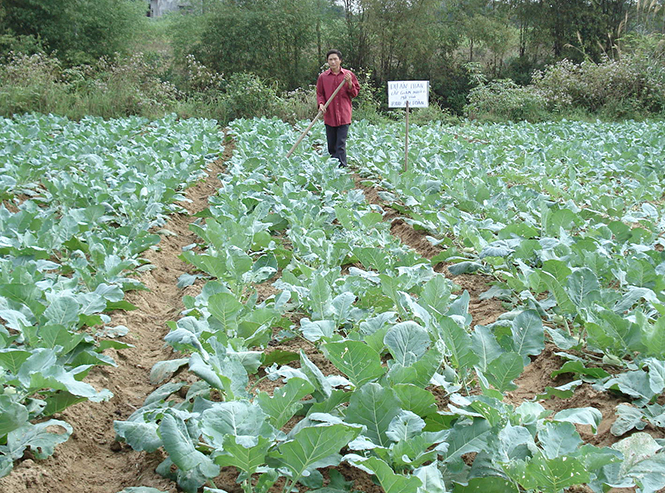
{"x": 92, "y": 461}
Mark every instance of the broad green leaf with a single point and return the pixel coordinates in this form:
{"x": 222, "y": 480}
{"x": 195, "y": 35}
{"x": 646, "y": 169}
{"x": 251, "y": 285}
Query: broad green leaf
{"x": 58, "y": 335}
{"x": 581, "y": 416}
{"x": 238, "y": 263}
{"x": 458, "y": 344}
{"x": 628, "y": 417}
{"x": 312, "y": 444}
{"x": 558, "y": 269}
{"x": 562, "y": 219}
{"x": 559, "y": 439}
{"x": 203, "y": 370}
{"x": 162, "y": 393}
{"x": 561, "y": 392}
{"x": 13, "y": 415}
{"x": 503, "y": 370}
{"x": 240, "y": 419}
{"x": 435, "y": 296}
{"x": 374, "y": 407}
{"x": 140, "y": 435}
{"x": 59, "y": 401}
{"x": 315, "y": 376}
{"x": 57, "y": 378}
{"x": 635, "y": 384}
{"x": 263, "y": 269}
{"x": 415, "y": 399}
{"x": 578, "y": 368}
{"x": 650, "y": 473}
{"x": 247, "y": 459}
{"x": 583, "y": 287}
{"x": 12, "y": 359}
{"x": 464, "y": 268}
{"x": 466, "y": 438}
{"x": 359, "y": 362}
{"x": 654, "y": 338}
{"x": 63, "y": 310}
{"x": 342, "y": 305}
{"x": 420, "y": 373}
{"x": 372, "y": 258}
{"x": 389, "y": 480}
{"x": 404, "y": 426}
{"x": 280, "y": 357}
{"x": 549, "y": 475}
{"x": 321, "y": 298}
{"x": 554, "y": 286}
{"x": 40, "y": 438}
{"x": 513, "y": 440}
{"x": 431, "y": 478}
{"x": 641, "y": 273}
{"x": 225, "y": 308}
{"x": 285, "y": 401}
{"x": 163, "y": 370}
{"x": 490, "y": 484}
{"x": 181, "y": 449}
{"x": 370, "y": 219}
{"x": 317, "y": 330}
{"x": 496, "y": 249}
{"x": 210, "y": 264}
{"x": 528, "y": 334}
{"x": 485, "y": 346}
{"x": 636, "y": 448}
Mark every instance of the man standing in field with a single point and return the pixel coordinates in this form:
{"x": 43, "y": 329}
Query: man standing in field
{"x": 337, "y": 116}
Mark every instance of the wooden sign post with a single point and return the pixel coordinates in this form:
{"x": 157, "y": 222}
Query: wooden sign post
{"x": 408, "y": 94}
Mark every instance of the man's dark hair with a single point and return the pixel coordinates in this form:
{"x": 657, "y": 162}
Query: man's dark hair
{"x": 334, "y": 52}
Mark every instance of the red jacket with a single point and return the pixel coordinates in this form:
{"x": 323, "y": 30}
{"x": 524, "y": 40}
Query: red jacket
{"x": 339, "y": 111}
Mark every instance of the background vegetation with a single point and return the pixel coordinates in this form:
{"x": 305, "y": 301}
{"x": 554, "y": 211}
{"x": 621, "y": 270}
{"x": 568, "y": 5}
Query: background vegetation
{"x": 485, "y": 59}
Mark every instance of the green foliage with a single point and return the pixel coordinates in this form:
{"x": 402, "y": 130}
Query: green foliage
{"x": 628, "y": 86}
{"x": 113, "y": 87}
{"x": 248, "y": 96}
{"x": 386, "y": 330}
{"x": 78, "y": 202}
{"x": 501, "y": 100}
{"x": 268, "y": 38}
{"x": 78, "y": 31}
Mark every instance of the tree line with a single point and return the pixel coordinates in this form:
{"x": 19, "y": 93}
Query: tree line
{"x": 448, "y": 42}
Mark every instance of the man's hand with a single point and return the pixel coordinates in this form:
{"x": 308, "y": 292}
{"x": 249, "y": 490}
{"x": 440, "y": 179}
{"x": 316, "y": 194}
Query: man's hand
{"x": 322, "y": 108}
{"x": 347, "y": 78}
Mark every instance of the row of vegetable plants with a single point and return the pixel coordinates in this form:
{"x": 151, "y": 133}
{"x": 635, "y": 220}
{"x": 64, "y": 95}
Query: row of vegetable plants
{"x": 80, "y": 202}
{"x": 395, "y": 332}
{"x": 569, "y": 219}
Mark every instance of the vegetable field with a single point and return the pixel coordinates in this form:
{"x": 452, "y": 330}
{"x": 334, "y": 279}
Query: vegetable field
{"x": 491, "y": 319}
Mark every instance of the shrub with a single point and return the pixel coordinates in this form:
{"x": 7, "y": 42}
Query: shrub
{"x": 80, "y": 32}
{"x": 502, "y": 99}
{"x": 299, "y": 104}
{"x": 629, "y": 86}
{"x": 113, "y": 87}
{"x": 127, "y": 86}
{"x": 248, "y": 96}
{"x": 32, "y": 83}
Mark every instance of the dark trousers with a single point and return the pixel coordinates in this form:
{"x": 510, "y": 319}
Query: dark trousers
{"x": 337, "y": 142}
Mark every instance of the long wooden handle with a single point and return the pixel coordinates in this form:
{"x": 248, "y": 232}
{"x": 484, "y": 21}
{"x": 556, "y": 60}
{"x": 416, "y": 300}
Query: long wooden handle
{"x": 318, "y": 115}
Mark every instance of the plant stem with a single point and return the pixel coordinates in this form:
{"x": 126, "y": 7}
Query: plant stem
{"x": 258, "y": 381}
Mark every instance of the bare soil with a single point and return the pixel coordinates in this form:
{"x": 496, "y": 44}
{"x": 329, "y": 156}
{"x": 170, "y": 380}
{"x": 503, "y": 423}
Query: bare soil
{"x": 92, "y": 460}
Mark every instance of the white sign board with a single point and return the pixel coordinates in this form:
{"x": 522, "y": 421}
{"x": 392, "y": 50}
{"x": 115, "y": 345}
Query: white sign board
{"x": 416, "y": 92}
